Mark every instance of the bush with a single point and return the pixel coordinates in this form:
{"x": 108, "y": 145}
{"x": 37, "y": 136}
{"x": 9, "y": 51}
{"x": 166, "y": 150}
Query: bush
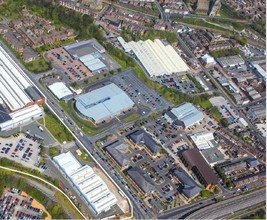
{"x": 53, "y": 151}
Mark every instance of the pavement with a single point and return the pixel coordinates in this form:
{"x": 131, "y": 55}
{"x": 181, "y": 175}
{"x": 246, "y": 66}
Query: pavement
{"x": 138, "y": 212}
{"x": 223, "y": 92}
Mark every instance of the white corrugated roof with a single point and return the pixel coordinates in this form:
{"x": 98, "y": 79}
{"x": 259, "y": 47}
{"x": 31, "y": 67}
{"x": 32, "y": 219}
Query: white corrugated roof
{"x": 202, "y": 140}
{"x": 60, "y": 90}
{"x": 21, "y": 116}
{"x": 12, "y": 83}
{"x": 92, "y": 187}
{"x": 157, "y": 58}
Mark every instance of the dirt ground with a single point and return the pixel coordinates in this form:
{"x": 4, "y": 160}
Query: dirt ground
{"x": 38, "y": 205}
{"x": 122, "y": 202}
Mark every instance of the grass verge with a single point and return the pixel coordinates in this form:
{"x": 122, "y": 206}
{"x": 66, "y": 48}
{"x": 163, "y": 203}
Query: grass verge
{"x": 68, "y": 205}
{"x": 83, "y": 122}
{"x": 131, "y": 117}
{"x": 56, "y": 128}
{"x": 85, "y": 157}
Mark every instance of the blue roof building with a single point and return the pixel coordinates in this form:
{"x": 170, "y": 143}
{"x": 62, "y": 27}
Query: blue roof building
{"x": 184, "y": 115}
{"x": 103, "y": 103}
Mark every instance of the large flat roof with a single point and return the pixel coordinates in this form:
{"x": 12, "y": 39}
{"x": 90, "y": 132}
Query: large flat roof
{"x": 13, "y": 84}
{"x": 84, "y": 48}
{"x": 60, "y": 90}
{"x": 203, "y": 140}
{"x": 21, "y": 116}
{"x": 187, "y": 113}
{"x": 90, "y": 185}
{"x": 157, "y": 58}
{"x": 104, "y": 102}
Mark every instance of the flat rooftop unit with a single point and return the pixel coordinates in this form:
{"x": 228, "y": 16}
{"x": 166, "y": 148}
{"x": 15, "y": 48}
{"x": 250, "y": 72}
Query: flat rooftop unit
{"x": 103, "y": 103}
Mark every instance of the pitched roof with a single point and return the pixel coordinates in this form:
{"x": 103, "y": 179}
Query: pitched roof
{"x": 190, "y": 187}
{"x": 194, "y": 158}
{"x": 142, "y": 137}
{"x": 252, "y": 162}
{"x": 118, "y": 154}
{"x": 137, "y": 176}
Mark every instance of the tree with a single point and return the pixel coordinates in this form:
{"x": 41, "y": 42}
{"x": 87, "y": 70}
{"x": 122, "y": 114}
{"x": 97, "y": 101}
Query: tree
{"x": 224, "y": 122}
{"x": 205, "y": 193}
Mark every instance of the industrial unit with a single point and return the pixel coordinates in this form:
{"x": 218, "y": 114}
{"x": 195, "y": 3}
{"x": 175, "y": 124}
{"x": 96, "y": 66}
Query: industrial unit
{"x": 230, "y": 61}
{"x": 203, "y": 140}
{"x": 90, "y": 185}
{"x": 155, "y": 57}
{"x": 89, "y": 53}
{"x": 208, "y": 147}
{"x": 60, "y": 90}
{"x": 184, "y": 116}
{"x": 103, "y": 103}
{"x": 19, "y": 99}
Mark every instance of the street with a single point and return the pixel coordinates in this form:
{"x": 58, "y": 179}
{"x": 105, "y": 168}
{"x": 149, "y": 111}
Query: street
{"x": 230, "y": 206}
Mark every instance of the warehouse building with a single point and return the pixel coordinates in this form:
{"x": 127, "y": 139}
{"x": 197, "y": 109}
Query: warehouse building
{"x": 19, "y": 99}
{"x": 184, "y": 116}
{"x": 103, "y": 103}
{"x": 257, "y": 112}
{"x": 212, "y": 156}
{"x": 89, "y": 53}
{"x": 157, "y": 58}
{"x": 203, "y": 140}
{"x": 208, "y": 147}
{"x": 60, "y": 90}
{"x": 230, "y": 61}
{"x": 22, "y": 116}
{"x": 91, "y": 186}
{"x": 15, "y": 89}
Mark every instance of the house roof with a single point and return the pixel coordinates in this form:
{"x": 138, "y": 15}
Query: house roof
{"x": 252, "y": 162}
{"x": 142, "y": 137}
{"x": 138, "y": 177}
{"x": 195, "y": 159}
{"x": 118, "y": 153}
{"x": 190, "y": 187}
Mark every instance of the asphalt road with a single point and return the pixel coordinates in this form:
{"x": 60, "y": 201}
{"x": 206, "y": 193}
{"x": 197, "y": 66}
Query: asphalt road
{"x": 230, "y": 206}
{"x": 222, "y": 91}
{"x": 138, "y": 212}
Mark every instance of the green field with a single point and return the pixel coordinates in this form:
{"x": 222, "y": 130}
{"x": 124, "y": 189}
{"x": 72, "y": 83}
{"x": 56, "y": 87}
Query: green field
{"x": 65, "y": 202}
{"x": 199, "y": 22}
{"x": 85, "y": 157}
{"x": 206, "y": 104}
{"x": 228, "y": 12}
{"x": 53, "y": 151}
{"x": 57, "y": 129}
{"x": 38, "y": 66}
{"x": 131, "y": 117}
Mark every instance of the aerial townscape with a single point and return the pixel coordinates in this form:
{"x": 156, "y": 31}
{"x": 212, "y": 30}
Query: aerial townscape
{"x": 132, "y": 109}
